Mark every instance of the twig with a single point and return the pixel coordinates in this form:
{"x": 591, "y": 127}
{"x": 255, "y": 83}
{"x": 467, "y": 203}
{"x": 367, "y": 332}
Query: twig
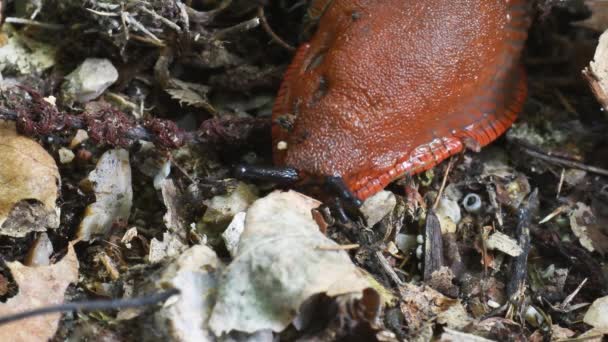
{"x": 23, "y": 21}
{"x": 339, "y": 247}
{"x": 102, "y": 14}
{"x": 443, "y": 182}
{"x": 571, "y": 296}
{"x": 562, "y": 176}
{"x": 92, "y": 305}
{"x": 519, "y": 265}
{"x": 163, "y": 19}
{"x": 240, "y": 27}
{"x": 141, "y": 28}
{"x": 270, "y": 32}
{"x": 388, "y": 268}
{"x": 564, "y": 162}
{"x": 554, "y": 213}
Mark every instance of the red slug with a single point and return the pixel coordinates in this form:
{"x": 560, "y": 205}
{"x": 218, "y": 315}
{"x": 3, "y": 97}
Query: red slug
{"x": 391, "y": 87}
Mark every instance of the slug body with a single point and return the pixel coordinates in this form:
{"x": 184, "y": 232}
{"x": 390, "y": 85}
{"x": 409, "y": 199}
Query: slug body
{"x": 391, "y": 87}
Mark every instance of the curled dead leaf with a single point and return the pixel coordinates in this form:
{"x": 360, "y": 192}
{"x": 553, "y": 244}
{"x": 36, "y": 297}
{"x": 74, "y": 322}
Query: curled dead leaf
{"x": 38, "y": 287}
{"x": 30, "y": 180}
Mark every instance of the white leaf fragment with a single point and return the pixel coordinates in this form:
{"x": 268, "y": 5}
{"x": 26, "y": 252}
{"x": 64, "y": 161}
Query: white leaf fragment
{"x": 504, "y": 243}
{"x": 193, "y": 273}
{"x": 580, "y": 219}
{"x": 232, "y": 234}
{"x": 222, "y": 208}
{"x": 170, "y": 246}
{"x": 375, "y": 208}
{"x": 597, "y": 315}
{"x": 282, "y": 260}
{"x": 111, "y": 182}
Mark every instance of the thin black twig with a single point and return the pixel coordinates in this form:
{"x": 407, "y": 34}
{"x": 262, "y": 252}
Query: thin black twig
{"x": 93, "y": 305}
{"x": 519, "y": 265}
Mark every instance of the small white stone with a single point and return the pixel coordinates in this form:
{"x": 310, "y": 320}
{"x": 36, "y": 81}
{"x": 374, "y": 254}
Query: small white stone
{"x": 51, "y": 99}
{"x": 80, "y": 137}
{"x": 493, "y": 304}
{"x": 65, "y": 155}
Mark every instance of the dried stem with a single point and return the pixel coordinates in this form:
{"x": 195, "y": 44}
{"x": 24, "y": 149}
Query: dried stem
{"x": 270, "y": 32}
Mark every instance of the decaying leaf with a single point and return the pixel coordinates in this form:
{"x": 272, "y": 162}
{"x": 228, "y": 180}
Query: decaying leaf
{"x": 194, "y": 274}
{"x": 222, "y": 208}
{"x": 111, "y": 182}
{"x": 170, "y": 246}
{"x": 420, "y": 304}
{"x": 597, "y": 72}
{"x": 29, "y": 179}
{"x": 38, "y": 286}
{"x": 586, "y": 228}
{"x": 597, "y": 315}
{"x": 282, "y": 260}
{"x": 174, "y": 218}
{"x": 448, "y": 213}
{"x": 378, "y": 206}
{"x": 191, "y": 94}
{"x": 23, "y": 55}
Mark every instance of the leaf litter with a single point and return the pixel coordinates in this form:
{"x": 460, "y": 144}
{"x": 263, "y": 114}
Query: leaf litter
{"x": 455, "y": 255}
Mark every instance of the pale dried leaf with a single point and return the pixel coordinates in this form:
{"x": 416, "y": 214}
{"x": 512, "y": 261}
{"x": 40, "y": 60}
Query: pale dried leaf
{"x": 378, "y": 206}
{"x": 191, "y": 94}
{"x": 597, "y": 72}
{"x": 27, "y": 172}
{"x": 38, "y": 286}
{"x": 194, "y": 274}
{"x": 222, "y": 208}
{"x": 421, "y": 304}
{"x": 170, "y": 246}
{"x": 282, "y": 260}
{"x": 597, "y": 315}
{"x": 111, "y": 182}
{"x": 587, "y": 229}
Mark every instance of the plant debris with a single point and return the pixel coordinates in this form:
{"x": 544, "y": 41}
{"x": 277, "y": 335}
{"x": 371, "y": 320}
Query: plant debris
{"x": 121, "y": 127}
{"x": 38, "y": 286}
{"x": 30, "y": 185}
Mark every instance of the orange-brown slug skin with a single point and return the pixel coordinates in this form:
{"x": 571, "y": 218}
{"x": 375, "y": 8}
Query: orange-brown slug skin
{"x": 390, "y": 87}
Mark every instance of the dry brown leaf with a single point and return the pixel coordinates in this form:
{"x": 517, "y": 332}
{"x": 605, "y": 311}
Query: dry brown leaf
{"x": 38, "y": 286}
{"x": 27, "y": 172}
{"x": 421, "y": 304}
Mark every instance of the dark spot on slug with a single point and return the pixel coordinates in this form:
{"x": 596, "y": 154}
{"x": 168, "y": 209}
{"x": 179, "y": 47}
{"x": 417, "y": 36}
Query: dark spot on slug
{"x": 285, "y": 121}
{"x": 320, "y": 92}
{"x": 316, "y": 61}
